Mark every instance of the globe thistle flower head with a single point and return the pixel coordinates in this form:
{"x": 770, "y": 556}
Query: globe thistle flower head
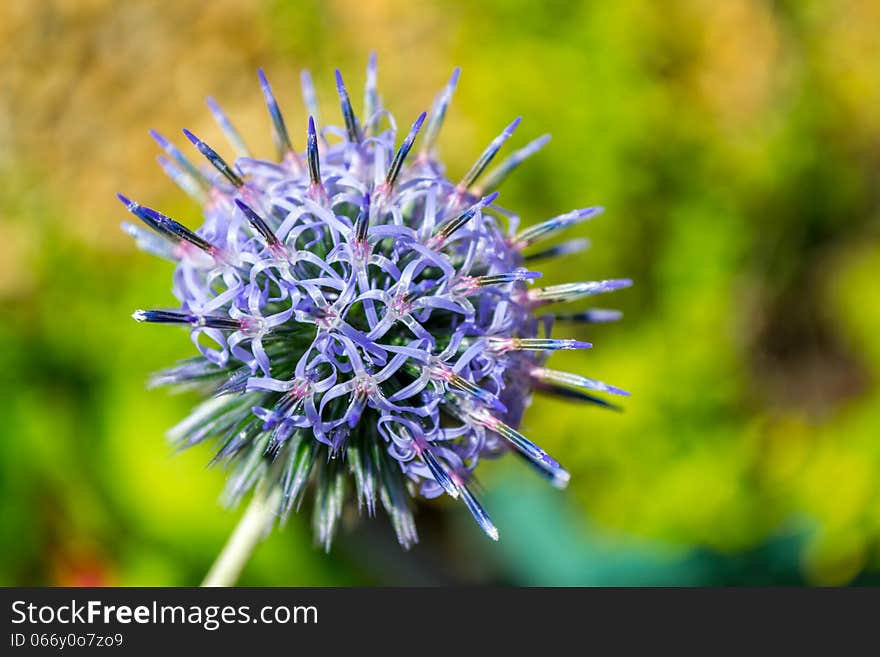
{"x": 361, "y": 320}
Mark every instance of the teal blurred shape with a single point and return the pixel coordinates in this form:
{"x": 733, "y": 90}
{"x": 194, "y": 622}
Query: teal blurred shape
{"x": 547, "y": 542}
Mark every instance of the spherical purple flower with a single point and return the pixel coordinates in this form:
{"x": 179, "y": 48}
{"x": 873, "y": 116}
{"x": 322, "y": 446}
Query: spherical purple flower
{"x": 358, "y": 314}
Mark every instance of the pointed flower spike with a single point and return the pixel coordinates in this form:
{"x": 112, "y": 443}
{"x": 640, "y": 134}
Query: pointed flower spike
{"x": 574, "y": 291}
{"x": 181, "y": 232}
{"x": 500, "y": 279}
{"x": 232, "y": 135}
{"x": 440, "y": 474}
{"x": 351, "y": 122}
{"x": 504, "y": 345}
{"x": 479, "y": 514}
{"x": 592, "y": 316}
{"x": 258, "y": 223}
{"x": 403, "y": 151}
{"x": 182, "y": 161}
{"x": 500, "y": 173}
{"x": 362, "y": 223}
{"x": 279, "y": 129}
{"x": 194, "y": 320}
{"x": 308, "y": 93}
{"x": 218, "y": 162}
{"x": 468, "y": 285}
{"x": 445, "y": 231}
{"x": 312, "y": 151}
{"x": 575, "y": 395}
{"x": 361, "y": 467}
{"x": 462, "y": 384}
{"x": 564, "y": 249}
{"x": 474, "y": 506}
{"x": 546, "y": 229}
{"x": 167, "y": 226}
{"x": 371, "y": 95}
{"x": 141, "y": 213}
{"x": 487, "y": 156}
{"x": 574, "y": 380}
{"x": 150, "y": 242}
{"x": 183, "y": 180}
{"x": 438, "y": 113}
{"x": 537, "y": 456}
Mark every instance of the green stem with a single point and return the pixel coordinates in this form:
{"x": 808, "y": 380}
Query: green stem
{"x": 252, "y": 527}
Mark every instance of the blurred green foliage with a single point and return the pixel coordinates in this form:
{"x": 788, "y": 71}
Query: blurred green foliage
{"x": 736, "y": 147}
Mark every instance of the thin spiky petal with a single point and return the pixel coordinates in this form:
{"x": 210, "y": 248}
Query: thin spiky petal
{"x": 279, "y": 129}
{"x": 504, "y": 345}
{"x": 458, "y": 382}
{"x": 258, "y": 223}
{"x": 441, "y": 474}
{"x": 535, "y": 455}
{"x": 180, "y": 231}
{"x": 483, "y": 520}
{"x": 471, "y": 284}
{"x": 296, "y": 475}
{"x": 362, "y": 223}
{"x": 351, "y": 122}
{"x": 575, "y": 380}
{"x": 182, "y": 160}
{"x": 445, "y": 231}
{"x": 575, "y": 291}
{"x": 393, "y": 496}
{"x": 487, "y": 156}
{"x": 216, "y": 161}
{"x": 371, "y": 94}
{"x": 500, "y": 173}
{"x": 308, "y": 93}
{"x": 312, "y": 153}
{"x": 566, "y": 248}
{"x": 438, "y": 113}
{"x": 229, "y": 131}
{"x": 150, "y": 242}
{"x": 403, "y": 151}
{"x": 183, "y": 180}
{"x": 167, "y": 226}
{"x": 569, "y": 394}
{"x": 591, "y": 316}
{"x": 192, "y": 319}
{"x": 141, "y": 213}
{"x": 329, "y": 496}
{"x": 552, "y": 226}
{"x": 365, "y": 476}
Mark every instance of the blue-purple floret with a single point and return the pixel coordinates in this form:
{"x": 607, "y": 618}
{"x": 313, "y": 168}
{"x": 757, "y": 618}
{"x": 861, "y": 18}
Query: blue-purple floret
{"x": 358, "y": 315}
